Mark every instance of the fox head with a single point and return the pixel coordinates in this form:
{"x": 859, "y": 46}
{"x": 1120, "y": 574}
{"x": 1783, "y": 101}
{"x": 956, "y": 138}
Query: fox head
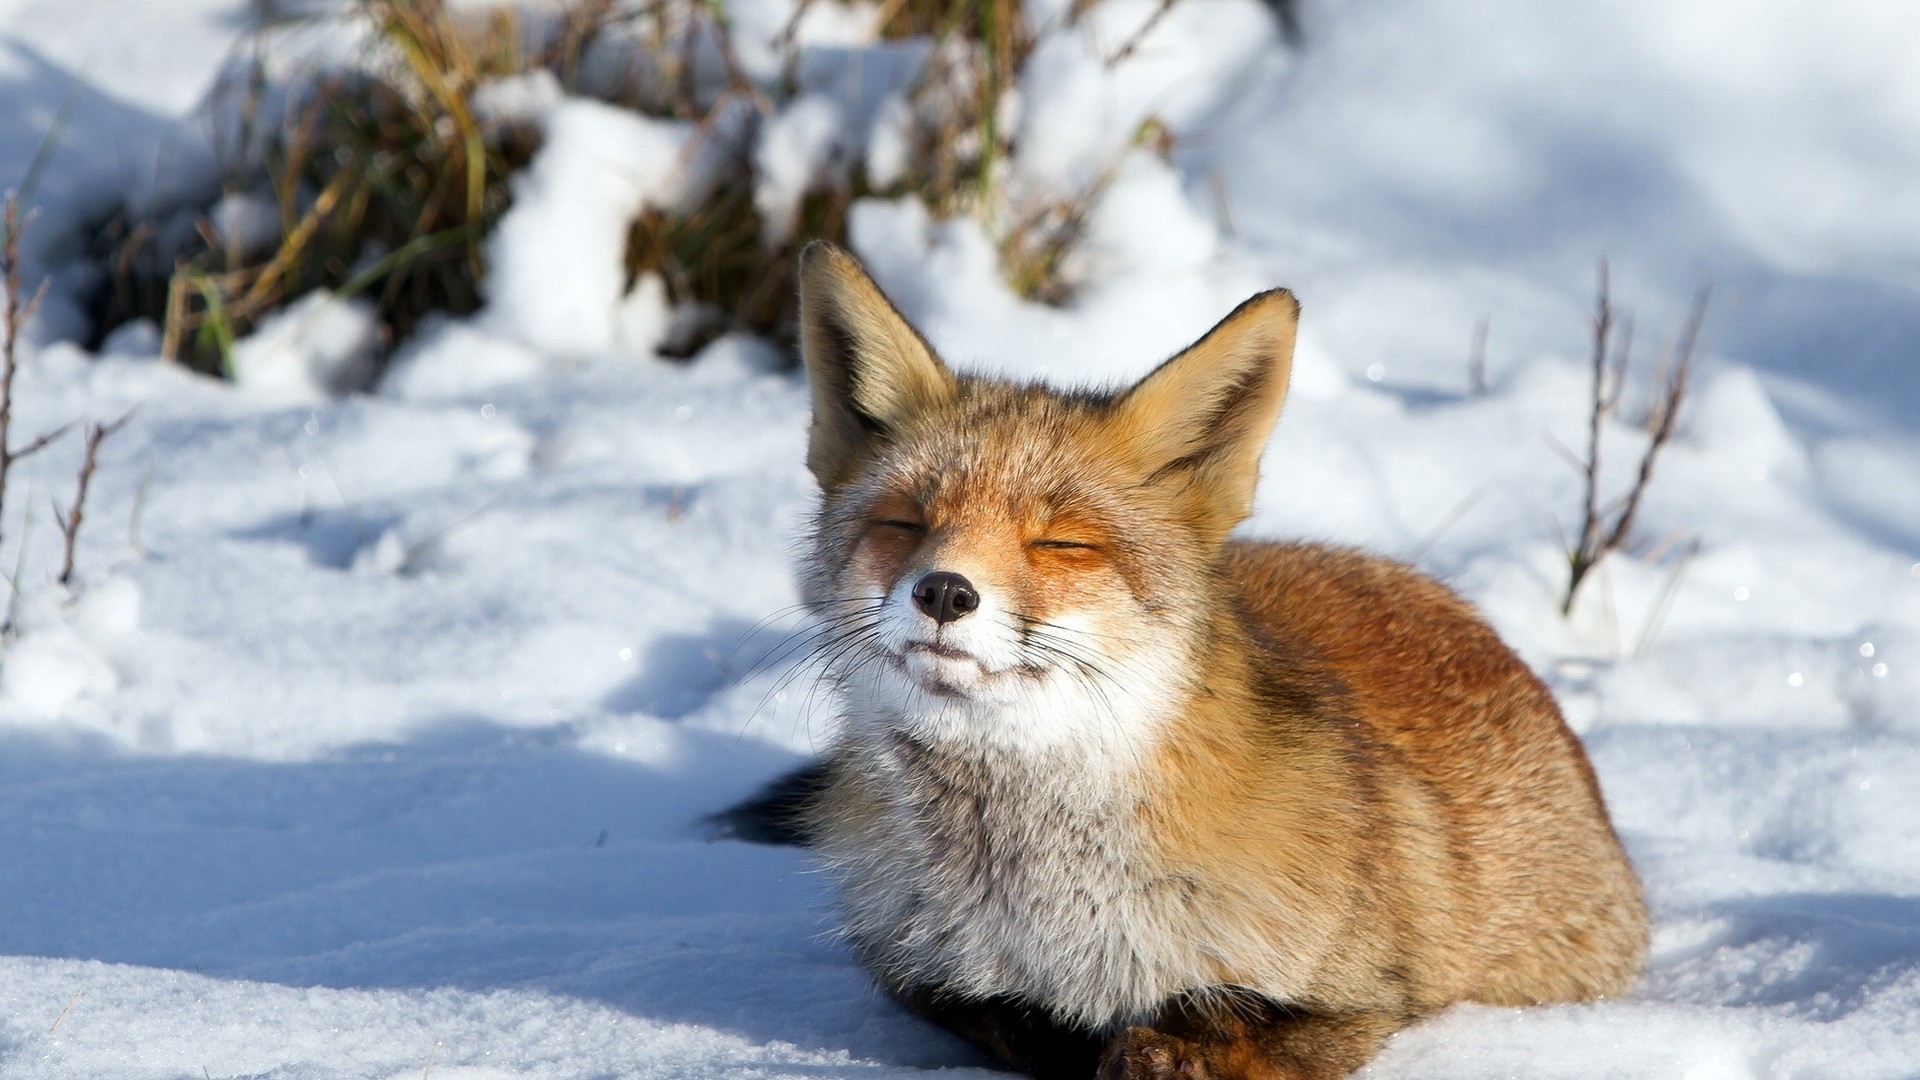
{"x": 1011, "y": 565}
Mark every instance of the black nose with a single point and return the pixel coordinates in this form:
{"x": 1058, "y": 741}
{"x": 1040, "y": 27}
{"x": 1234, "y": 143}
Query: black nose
{"x": 945, "y": 596}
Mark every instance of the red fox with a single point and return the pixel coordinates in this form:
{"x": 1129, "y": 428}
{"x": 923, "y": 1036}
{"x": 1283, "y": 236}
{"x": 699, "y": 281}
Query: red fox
{"x": 1117, "y": 795}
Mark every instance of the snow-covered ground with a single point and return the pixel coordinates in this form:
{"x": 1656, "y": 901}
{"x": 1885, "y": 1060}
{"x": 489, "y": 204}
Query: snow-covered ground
{"x": 375, "y": 735}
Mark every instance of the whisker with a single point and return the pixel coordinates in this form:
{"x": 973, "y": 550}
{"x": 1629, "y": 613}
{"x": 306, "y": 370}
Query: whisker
{"x": 822, "y": 661}
{"x": 838, "y": 632}
{"x": 831, "y": 671}
{"x": 781, "y": 613}
{"x": 1031, "y": 623}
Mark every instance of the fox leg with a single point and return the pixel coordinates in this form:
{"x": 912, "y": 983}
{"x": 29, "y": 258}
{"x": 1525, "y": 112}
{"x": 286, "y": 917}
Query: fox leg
{"x": 1261, "y": 1042}
{"x": 1023, "y": 1037}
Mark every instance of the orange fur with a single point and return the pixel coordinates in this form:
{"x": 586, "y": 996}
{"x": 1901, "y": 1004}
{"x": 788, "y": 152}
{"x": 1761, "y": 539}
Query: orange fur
{"x": 1168, "y": 803}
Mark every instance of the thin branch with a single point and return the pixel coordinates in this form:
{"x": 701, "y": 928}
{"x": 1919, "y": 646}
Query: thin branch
{"x": 1140, "y": 35}
{"x": 1586, "y": 550}
{"x": 69, "y": 522}
{"x": 38, "y": 444}
{"x": 783, "y": 41}
{"x": 1674, "y": 393}
{"x": 14, "y": 315}
{"x": 1608, "y": 528}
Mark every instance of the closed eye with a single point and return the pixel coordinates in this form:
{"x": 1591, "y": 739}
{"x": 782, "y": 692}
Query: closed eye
{"x": 1063, "y": 545}
{"x": 903, "y": 525}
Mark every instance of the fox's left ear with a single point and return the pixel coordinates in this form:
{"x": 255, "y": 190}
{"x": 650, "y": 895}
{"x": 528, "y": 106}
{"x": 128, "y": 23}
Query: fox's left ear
{"x": 1201, "y": 419}
{"x": 871, "y": 374}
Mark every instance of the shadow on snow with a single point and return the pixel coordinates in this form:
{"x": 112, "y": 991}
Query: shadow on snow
{"x": 475, "y": 856}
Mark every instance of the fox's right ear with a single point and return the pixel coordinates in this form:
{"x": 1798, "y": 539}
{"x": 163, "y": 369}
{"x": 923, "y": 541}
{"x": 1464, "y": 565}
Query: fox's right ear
{"x": 1201, "y": 419}
{"x": 869, "y": 371}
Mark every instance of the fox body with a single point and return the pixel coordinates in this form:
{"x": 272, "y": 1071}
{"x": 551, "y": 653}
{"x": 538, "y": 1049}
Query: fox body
{"x": 1113, "y": 791}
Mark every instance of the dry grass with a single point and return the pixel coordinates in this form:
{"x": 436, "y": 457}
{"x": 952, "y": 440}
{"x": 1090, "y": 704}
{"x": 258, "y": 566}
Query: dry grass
{"x": 958, "y": 147}
{"x": 957, "y": 143}
{"x": 386, "y": 183}
{"x": 715, "y": 260}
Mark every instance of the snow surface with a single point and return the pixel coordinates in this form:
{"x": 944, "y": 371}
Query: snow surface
{"x": 375, "y": 733}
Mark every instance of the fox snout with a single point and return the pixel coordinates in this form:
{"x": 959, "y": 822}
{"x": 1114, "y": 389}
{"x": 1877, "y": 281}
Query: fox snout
{"x": 944, "y": 596}
{"x": 952, "y": 636}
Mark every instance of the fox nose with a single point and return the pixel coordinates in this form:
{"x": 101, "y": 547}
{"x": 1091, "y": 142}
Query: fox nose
{"x": 945, "y": 596}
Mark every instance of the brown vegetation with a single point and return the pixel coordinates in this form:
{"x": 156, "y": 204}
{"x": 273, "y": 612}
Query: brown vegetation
{"x": 386, "y": 181}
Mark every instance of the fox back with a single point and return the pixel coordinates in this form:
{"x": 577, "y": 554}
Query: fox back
{"x": 1113, "y": 788}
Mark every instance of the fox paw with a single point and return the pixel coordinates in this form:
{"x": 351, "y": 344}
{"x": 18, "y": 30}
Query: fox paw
{"x": 1140, "y": 1053}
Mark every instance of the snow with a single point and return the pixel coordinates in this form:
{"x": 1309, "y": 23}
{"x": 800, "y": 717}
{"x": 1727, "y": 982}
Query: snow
{"x": 1443, "y": 163}
{"x": 246, "y": 222}
{"x": 1080, "y": 103}
{"x": 558, "y": 283}
{"x": 448, "y": 359}
{"x": 319, "y": 347}
{"x": 790, "y": 158}
{"x": 375, "y": 731}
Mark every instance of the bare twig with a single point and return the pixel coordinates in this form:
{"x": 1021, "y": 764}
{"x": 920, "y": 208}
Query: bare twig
{"x": 69, "y": 522}
{"x": 1668, "y": 410}
{"x": 1140, "y": 35}
{"x": 784, "y": 40}
{"x": 40, "y": 443}
{"x": 1587, "y": 549}
{"x": 1608, "y": 528}
{"x": 12, "y": 318}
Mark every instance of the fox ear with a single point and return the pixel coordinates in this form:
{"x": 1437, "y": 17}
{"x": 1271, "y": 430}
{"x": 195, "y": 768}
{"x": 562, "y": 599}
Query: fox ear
{"x": 869, "y": 371}
{"x": 1201, "y": 419}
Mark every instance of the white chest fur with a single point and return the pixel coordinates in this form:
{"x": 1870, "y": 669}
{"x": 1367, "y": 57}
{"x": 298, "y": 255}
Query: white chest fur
{"x": 995, "y": 872}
